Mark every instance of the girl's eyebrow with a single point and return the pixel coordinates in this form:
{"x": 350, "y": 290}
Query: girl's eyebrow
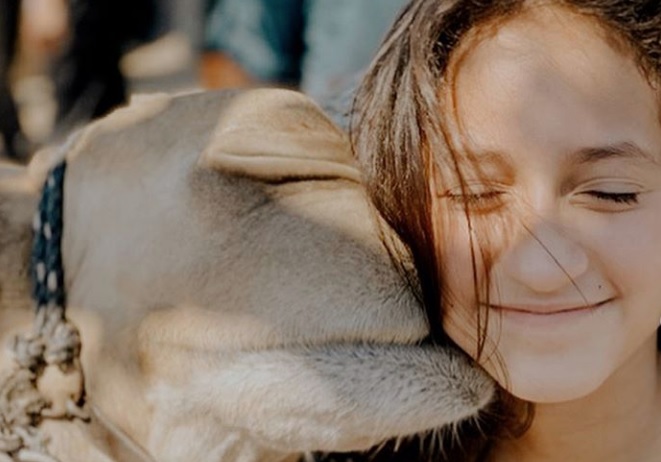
{"x": 624, "y": 150}
{"x": 487, "y": 157}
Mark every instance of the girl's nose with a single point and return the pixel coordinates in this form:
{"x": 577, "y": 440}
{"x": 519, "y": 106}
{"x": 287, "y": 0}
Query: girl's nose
{"x": 544, "y": 259}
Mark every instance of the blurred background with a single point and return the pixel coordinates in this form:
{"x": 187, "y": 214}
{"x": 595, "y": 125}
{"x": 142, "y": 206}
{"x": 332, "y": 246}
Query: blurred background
{"x": 66, "y": 62}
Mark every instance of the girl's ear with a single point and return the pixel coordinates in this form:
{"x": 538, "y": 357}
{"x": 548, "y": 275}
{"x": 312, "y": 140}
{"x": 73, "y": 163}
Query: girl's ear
{"x": 276, "y": 136}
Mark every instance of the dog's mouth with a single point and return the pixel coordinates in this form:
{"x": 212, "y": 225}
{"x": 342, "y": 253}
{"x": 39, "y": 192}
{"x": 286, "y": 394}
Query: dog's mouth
{"x": 338, "y": 397}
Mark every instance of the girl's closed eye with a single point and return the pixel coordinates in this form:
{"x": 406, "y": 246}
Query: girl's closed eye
{"x": 478, "y": 198}
{"x": 487, "y": 198}
{"x": 610, "y": 197}
{"x": 620, "y": 198}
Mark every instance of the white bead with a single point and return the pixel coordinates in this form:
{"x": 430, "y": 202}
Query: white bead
{"x": 52, "y": 281}
{"x": 48, "y": 233}
{"x": 36, "y": 222}
{"x": 41, "y": 271}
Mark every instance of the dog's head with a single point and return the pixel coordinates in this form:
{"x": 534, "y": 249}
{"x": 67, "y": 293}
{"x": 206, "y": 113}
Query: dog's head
{"x": 232, "y": 289}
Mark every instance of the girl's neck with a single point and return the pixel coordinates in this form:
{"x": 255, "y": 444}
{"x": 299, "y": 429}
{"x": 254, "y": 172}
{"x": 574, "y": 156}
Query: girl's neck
{"x": 620, "y": 422}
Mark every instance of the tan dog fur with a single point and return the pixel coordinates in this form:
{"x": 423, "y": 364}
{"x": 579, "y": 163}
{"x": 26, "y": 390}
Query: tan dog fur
{"x": 234, "y": 298}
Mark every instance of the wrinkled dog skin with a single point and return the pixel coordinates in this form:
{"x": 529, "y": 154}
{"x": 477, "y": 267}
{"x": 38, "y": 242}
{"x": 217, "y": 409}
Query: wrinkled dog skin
{"x": 234, "y": 298}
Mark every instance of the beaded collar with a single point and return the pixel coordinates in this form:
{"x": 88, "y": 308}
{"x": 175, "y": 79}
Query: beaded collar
{"x": 52, "y": 348}
{"x": 46, "y": 267}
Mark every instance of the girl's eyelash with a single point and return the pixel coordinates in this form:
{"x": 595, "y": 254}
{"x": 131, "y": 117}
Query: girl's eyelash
{"x": 474, "y": 197}
{"x": 620, "y": 198}
{"x": 479, "y": 202}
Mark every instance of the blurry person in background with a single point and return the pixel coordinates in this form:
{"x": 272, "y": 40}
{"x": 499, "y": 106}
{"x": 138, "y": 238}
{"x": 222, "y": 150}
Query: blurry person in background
{"x": 15, "y": 144}
{"x": 317, "y": 46}
{"x": 253, "y": 42}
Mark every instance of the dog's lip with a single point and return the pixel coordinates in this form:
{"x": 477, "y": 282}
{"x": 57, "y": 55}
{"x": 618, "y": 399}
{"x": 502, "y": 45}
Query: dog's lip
{"x": 546, "y": 308}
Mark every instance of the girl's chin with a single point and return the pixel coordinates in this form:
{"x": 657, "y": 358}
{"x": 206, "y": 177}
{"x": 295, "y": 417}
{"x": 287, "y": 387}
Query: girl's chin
{"x": 550, "y": 396}
{"x": 545, "y": 373}
{"x": 551, "y": 389}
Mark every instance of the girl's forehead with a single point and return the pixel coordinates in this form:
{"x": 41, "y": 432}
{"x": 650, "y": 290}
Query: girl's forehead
{"x": 547, "y": 78}
{"x": 549, "y": 38}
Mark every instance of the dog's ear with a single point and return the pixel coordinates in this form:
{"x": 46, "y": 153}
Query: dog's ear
{"x": 276, "y": 136}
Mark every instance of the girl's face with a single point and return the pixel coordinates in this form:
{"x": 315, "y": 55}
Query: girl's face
{"x": 567, "y": 205}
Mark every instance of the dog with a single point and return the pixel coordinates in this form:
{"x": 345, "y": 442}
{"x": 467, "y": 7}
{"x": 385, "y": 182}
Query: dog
{"x": 233, "y": 295}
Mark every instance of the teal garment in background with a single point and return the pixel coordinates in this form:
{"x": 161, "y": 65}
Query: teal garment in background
{"x": 263, "y": 36}
{"x": 341, "y": 38}
{"x": 320, "y": 46}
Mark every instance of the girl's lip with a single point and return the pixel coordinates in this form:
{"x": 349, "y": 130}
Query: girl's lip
{"x": 547, "y": 310}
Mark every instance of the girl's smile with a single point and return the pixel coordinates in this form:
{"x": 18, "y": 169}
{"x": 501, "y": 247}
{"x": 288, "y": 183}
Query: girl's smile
{"x": 548, "y": 317}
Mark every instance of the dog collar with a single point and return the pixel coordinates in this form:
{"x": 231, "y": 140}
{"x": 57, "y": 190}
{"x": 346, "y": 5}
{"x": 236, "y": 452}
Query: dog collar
{"x": 46, "y": 269}
{"x": 53, "y": 344}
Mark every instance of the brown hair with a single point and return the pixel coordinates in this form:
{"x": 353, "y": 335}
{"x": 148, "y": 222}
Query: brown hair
{"x": 397, "y": 130}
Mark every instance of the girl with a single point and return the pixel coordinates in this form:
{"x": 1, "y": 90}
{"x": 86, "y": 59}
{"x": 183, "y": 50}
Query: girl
{"x": 515, "y": 148}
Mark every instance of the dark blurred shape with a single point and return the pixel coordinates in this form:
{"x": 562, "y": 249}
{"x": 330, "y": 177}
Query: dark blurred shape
{"x": 15, "y": 142}
{"x": 88, "y": 81}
